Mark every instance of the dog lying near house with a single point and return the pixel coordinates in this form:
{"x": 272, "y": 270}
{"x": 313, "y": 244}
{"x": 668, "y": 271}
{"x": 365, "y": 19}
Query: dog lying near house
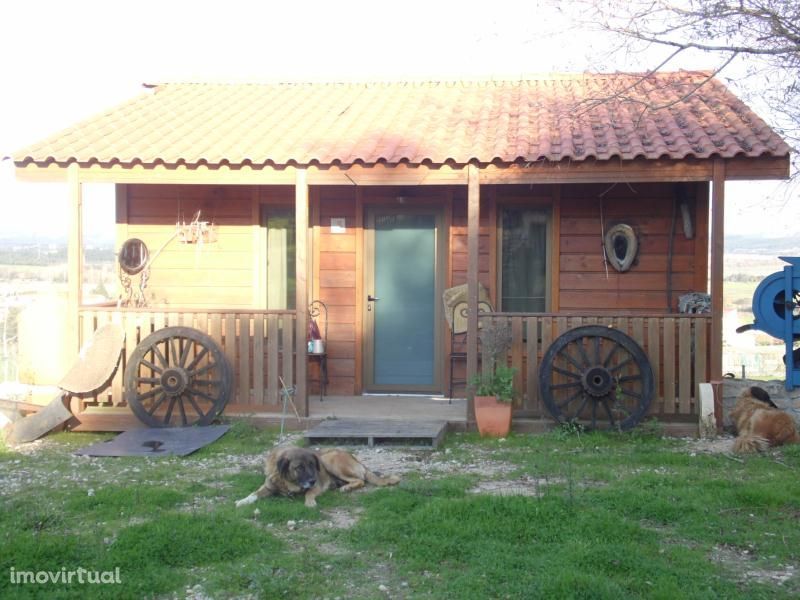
{"x": 759, "y": 423}
{"x": 291, "y": 470}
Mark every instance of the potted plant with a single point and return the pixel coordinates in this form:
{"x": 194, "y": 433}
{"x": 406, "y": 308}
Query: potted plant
{"x": 494, "y": 388}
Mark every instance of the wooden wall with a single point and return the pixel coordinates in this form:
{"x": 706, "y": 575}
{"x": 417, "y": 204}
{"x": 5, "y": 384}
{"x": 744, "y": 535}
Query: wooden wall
{"x": 225, "y": 274}
{"x": 334, "y": 281}
{"x": 648, "y": 208}
{"x": 486, "y": 242}
{"x": 230, "y": 273}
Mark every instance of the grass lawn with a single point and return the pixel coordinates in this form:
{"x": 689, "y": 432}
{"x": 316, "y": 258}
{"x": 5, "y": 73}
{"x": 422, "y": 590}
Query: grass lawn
{"x": 559, "y": 515}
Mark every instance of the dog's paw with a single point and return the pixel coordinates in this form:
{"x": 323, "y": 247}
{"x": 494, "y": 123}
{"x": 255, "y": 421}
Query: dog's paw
{"x": 245, "y": 501}
{"x": 311, "y": 503}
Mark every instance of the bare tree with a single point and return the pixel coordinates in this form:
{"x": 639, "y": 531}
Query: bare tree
{"x": 756, "y": 43}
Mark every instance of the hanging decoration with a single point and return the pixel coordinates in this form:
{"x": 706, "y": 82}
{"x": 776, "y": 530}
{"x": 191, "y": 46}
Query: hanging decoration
{"x": 621, "y": 246}
{"x": 133, "y": 260}
{"x": 196, "y": 231}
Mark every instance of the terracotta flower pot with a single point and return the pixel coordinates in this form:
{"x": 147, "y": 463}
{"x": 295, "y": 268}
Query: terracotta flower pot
{"x": 493, "y": 416}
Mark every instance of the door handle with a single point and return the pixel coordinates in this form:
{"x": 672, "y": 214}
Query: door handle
{"x": 370, "y": 300}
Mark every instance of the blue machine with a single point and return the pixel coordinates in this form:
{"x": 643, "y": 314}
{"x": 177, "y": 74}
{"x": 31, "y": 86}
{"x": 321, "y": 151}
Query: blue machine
{"x": 776, "y": 306}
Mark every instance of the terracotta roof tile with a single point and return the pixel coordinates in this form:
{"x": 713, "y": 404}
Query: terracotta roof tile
{"x": 552, "y": 118}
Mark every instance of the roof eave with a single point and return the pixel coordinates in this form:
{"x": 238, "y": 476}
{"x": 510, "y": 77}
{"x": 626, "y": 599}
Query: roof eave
{"x": 765, "y": 167}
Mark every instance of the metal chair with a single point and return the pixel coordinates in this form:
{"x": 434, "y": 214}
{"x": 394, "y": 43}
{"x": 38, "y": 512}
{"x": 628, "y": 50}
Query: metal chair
{"x": 458, "y": 341}
{"x": 318, "y": 349}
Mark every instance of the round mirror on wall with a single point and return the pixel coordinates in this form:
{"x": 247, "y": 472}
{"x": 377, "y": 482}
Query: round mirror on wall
{"x": 133, "y": 256}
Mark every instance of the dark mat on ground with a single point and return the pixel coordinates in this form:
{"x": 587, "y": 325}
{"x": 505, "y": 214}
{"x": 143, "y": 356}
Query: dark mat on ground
{"x": 166, "y": 441}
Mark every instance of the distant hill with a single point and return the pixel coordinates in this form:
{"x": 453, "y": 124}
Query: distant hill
{"x": 769, "y": 246}
{"x": 44, "y": 251}
{"x": 24, "y": 238}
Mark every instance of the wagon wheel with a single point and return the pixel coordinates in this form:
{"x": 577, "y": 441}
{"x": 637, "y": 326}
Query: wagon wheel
{"x": 177, "y": 377}
{"x": 597, "y": 377}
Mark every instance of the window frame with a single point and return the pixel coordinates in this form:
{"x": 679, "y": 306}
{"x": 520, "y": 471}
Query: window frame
{"x": 277, "y": 210}
{"x": 545, "y": 209}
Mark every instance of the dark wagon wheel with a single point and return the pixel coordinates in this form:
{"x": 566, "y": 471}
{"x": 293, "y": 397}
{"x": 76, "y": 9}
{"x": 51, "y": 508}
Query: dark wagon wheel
{"x": 597, "y": 377}
{"x": 177, "y": 377}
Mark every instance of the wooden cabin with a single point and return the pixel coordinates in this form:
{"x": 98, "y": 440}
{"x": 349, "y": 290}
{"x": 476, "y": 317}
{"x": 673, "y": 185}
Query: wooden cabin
{"x": 376, "y": 198}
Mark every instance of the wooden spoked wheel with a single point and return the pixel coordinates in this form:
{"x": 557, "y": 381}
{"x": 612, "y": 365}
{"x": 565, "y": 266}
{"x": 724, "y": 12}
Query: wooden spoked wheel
{"x": 177, "y": 377}
{"x": 596, "y": 377}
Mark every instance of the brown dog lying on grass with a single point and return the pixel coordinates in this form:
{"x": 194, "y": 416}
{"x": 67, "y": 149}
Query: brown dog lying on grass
{"x": 760, "y": 424}
{"x": 291, "y": 470}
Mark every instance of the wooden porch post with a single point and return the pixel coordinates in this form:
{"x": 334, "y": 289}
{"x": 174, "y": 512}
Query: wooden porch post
{"x": 473, "y": 237}
{"x": 717, "y": 256}
{"x": 74, "y": 260}
{"x": 717, "y": 268}
{"x": 301, "y": 292}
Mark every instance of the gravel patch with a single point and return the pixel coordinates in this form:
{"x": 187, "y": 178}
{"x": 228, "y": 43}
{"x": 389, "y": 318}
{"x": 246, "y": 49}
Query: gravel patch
{"x": 339, "y": 518}
{"x": 718, "y": 445}
{"x": 740, "y": 562}
{"x": 524, "y": 486}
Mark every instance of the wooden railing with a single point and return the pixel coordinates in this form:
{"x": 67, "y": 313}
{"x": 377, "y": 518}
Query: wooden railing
{"x": 258, "y": 344}
{"x": 677, "y": 347}
{"x": 261, "y": 345}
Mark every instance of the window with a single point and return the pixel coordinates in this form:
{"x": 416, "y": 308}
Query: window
{"x": 524, "y": 259}
{"x": 280, "y": 225}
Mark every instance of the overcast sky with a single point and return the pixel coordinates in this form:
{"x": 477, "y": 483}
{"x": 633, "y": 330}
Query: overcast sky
{"x": 66, "y": 60}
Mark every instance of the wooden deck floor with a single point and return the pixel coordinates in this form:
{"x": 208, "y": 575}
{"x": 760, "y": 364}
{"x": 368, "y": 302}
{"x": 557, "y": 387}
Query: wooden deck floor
{"x": 374, "y": 432}
{"x": 408, "y": 408}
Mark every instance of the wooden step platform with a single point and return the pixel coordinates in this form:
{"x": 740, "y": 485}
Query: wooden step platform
{"x": 374, "y": 432}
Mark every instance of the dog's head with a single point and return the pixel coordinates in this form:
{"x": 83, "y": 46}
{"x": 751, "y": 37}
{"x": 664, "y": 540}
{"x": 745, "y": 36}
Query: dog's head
{"x": 299, "y": 467}
{"x": 759, "y": 394}
{"x": 750, "y": 399}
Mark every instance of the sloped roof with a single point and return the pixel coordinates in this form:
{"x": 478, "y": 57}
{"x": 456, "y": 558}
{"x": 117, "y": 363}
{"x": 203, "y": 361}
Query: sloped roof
{"x": 576, "y": 117}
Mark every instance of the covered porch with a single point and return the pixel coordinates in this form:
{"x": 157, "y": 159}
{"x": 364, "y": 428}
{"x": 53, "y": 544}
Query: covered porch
{"x": 264, "y": 345}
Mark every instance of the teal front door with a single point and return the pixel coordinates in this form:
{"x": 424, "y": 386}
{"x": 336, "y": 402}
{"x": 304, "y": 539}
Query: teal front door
{"x": 402, "y": 315}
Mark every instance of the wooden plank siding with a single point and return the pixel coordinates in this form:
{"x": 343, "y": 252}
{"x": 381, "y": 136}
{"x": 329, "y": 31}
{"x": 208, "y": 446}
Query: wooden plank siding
{"x": 676, "y": 347}
{"x": 458, "y": 242}
{"x": 336, "y": 256}
{"x": 587, "y": 283}
{"x": 204, "y": 275}
{"x": 225, "y": 279}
